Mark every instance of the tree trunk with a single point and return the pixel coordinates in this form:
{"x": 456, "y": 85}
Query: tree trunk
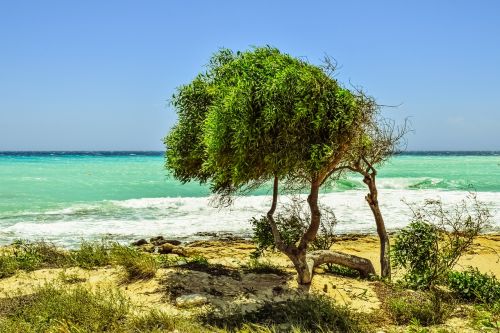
{"x": 362, "y": 265}
{"x": 312, "y": 231}
{"x": 372, "y": 199}
{"x": 303, "y": 267}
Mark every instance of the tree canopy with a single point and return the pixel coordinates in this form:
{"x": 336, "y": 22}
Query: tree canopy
{"x": 261, "y": 114}
{"x": 258, "y": 114}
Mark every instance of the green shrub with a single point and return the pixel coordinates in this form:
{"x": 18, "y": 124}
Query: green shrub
{"x": 92, "y": 254}
{"x": 138, "y": 265}
{"x": 263, "y": 267}
{"x": 314, "y": 313}
{"x": 54, "y": 309}
{"x": 151, "y": 321}
{"x": 29, "y": 256}
{"x": 201, "y": 264}
{"x": 8, "y": 265}
{"x": 342, "y": 271}
{"x": 472, "y": 285}
{"x": 486, "y": 317}
{"x": 436, "y": 238}
{"x": 425, "y": 308}
{"x": 166, "y": 261}
{"x": 159, "y": 321}
{"x": 292, "y": 223}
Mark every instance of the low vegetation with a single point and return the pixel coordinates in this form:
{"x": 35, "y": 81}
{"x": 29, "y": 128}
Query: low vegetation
{"x": 424, "y": 308}
{"x": 138, "y": 265}
{"x": 292, "y": 222}
{"x": 52, "y": 308}
{"x": 472, "y": 285}
{"x": 310, "y": 313}
{"x": 263, "y": 267}
{"x": 436, "y": 238}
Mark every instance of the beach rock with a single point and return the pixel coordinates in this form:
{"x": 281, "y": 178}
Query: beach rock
{"x": 173, "y": 242}
{"x": 206, "y": 234}
{"x": 139, "y": 242}
{"x": 156, "y": 239}
{"x": 180, "y": 251}
{"x": 188, "y": 301}
{"x": 150, "y": 248}
{"x": 160, "y": 240}
{"x": 166, "y": 248}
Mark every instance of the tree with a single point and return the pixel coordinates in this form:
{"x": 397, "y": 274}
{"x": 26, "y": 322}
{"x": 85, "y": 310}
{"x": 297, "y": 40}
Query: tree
{"x": 262, "y": 115}
{"x": 381, "y": 139}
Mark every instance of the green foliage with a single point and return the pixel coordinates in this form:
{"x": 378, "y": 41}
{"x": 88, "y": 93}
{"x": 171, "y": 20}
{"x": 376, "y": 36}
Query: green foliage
{"x": 472, "y": 285}
{"x": 342, "y": 271}
{"x": 424, "y": 308}
{"x": 29, "y": 256}
{"x": 8, "y": 265}
{"x": 256, "y": 114}
{"x": 436, "y": 238}
{"x": 138, "y": 265}
{"x": 310, "y": 313}
{"x": 415, "y": 248}
{"x": 92, "y": 254}
{"x": 292, "y": 223}
{"x": 486, "y": 317}
{"x": 52, "y": 309}
{"x": 263, "y": 267}
{"x": 35, "y": 255}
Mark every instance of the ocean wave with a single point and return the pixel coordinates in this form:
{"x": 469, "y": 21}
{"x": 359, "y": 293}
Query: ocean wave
{"x": 183, "y": 217}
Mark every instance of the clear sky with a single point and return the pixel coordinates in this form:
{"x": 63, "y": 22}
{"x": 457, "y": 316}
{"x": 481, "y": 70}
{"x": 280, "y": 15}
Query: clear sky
{"x": 96, "y": 75}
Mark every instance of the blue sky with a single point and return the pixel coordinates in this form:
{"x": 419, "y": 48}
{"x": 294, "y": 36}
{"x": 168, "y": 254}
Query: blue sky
{"x": 96, "y": 75}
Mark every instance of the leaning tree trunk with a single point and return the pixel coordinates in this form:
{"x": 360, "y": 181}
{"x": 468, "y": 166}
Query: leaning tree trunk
{"x": 372, "y": 199}
{"x": 305, "y": 263}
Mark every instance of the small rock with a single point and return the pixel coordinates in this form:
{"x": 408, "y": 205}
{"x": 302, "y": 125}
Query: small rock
{"x": 187, "y": 301}
{"x": 147, "y": 248}
{"x": 179, "y": 251}
{"x": 166, "y": 248}
{"x": 173, "y": 242}
{"x": 139, "y": 242}
{"x": 156, "y": 239}
{"x": 165, "y": 241}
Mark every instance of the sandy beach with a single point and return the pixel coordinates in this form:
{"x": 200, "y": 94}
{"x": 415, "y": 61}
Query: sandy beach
{"x": 225, "y": 290}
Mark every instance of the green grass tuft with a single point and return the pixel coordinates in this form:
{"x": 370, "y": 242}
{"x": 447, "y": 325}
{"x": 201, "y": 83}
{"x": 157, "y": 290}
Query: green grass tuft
{"x": 54, "y": 309}
{"x": 138, "y": 265}
{"x": 310, "y": 313}
{"x": 263, "y": 267}
{"x": 424, "y": 308}
{"x": 92, "y": 254}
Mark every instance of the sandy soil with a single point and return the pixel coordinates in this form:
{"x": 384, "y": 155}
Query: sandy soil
{"x": 248, "y": 289}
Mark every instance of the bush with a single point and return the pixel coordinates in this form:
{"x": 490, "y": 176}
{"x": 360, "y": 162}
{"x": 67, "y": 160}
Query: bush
{"x": 314, "y": 313}
{"x": 292, "y": 223}
{"x": 8, "y": 265}
{"x": 436, "y": 238}
{"x": 92, "y": 254}
{"x": 40, "y": 254}
{"x": 52, "y": 309}
{"x": 263, "y": 267}
{"x": 472, "y": 285}
{"x": 138, "y": 265}
{"x": 425, "y": 308}
{"x": 29, "y": 256}
{"x": 342, "y": 271}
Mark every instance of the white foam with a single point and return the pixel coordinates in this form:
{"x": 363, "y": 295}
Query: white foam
{"x": 183, "y": 217}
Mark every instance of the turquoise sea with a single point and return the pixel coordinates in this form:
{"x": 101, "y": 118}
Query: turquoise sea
{"x": 66, "y": 196}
